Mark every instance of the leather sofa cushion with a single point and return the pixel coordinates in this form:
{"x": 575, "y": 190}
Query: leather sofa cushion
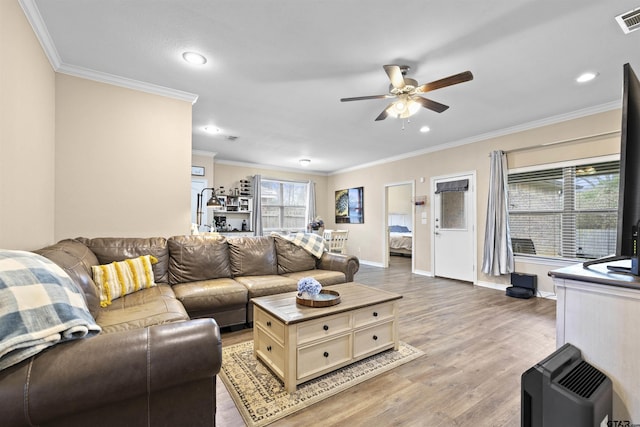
{"x": 196, "y": 258}
{"x": 292, "y": 258}
{"x": 109, "y": 249}
{"x": 325, "y": 277}
{"x": 214, "y": 295}
{"x": 253, "y": 256}
{"x": 259, "y": 286}
{"x": 76, "y": 260}
{"x": 144, "y": 308}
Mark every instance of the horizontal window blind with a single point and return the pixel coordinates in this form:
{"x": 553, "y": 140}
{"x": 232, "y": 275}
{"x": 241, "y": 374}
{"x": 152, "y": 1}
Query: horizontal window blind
{"x": 568, "y": 212}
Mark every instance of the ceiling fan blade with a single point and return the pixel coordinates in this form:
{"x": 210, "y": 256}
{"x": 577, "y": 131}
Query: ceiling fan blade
{"x": 395, "y": 75}
{"x": 362, "y": 98}
{"x": 447, "y": 81}
{"x": 385, "y": 113}
{"x": 431, "y": 105}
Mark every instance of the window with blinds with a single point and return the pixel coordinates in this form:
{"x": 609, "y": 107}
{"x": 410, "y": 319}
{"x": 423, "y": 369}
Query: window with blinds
{"x": 284, "y": 205}
{"x": 567, "y": 212}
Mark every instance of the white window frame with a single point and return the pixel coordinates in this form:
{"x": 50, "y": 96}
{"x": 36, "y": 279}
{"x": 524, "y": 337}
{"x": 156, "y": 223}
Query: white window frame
{"x": 283, "y": 206}
{"x": 558, "y": 165}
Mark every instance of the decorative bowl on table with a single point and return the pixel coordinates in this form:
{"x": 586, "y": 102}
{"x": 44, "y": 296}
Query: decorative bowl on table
{"x": 311, "y": 294}
{"x": 325, "y": 298}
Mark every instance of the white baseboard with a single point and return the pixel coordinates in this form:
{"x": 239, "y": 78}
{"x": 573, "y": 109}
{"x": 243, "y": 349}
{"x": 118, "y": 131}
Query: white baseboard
{"x": 423, "y": 273}
{"x": 371, "y": 263}
{"x": 501, "y": 287}
{"x": 491, "y": 285}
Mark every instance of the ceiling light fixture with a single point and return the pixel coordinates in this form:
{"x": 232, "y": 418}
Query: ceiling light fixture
{"x": 305, "y": 162}
{"x": 194, "y": 58}
{"x": 586, "y": 77}
{"x": 212, "y": 129}
{"x": 404, "y": 107}
{"x": 425, "y": 129}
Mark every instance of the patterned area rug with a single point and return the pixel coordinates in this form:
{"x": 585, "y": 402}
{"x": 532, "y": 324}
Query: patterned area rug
{"x": 261, "y": 398}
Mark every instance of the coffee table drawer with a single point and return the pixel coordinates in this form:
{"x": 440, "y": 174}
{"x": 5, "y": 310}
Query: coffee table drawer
{"x": 371, "y": 339}
{"x": 323, "y": 328}
{"x": 375, "y": 313}
{"x": 270, "y": 351}
{"x": 323, "y": 356}
{"x": 269, "y": 323}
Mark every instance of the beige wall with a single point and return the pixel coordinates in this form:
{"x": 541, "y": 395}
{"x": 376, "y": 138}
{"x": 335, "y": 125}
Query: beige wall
{"x": 399, "y": 199}
{"x": 229, "y": 175}
{"x": 366, "y": 240}
{"x": 27, "y": 102}
{"x": 205, "y": 160}
{"x": 123, "y": 161}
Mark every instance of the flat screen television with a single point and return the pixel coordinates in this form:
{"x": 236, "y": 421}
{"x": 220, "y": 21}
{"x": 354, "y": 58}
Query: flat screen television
{"x": 629, "y": 193}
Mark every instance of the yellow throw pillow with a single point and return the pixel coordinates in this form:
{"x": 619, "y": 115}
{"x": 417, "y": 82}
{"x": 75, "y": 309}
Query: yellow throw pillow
{"x": 118, "y": 279}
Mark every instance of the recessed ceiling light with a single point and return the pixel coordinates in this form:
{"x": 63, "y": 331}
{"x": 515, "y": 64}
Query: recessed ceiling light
{"x": 586, "y": 77}
{"x": 212, "y": 129}
{"x": 194, "y": 58}
{"x": 305, "y": 162}
{"x": 424, "y": 129}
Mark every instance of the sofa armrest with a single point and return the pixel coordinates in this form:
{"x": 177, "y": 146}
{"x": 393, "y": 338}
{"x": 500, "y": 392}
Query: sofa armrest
{"x": 347, "y": 264}
{"x": 101, "y": 373}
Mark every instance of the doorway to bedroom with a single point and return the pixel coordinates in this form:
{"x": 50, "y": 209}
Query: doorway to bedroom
{"x": 399, "y": 225}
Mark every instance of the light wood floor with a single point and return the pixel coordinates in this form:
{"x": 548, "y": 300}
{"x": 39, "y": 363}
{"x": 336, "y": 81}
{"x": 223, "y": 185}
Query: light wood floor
{"x": 477, "y": 341}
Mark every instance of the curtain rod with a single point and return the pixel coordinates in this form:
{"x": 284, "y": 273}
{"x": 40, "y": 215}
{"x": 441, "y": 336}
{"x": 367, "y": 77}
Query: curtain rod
{"x": 564, "y": 141}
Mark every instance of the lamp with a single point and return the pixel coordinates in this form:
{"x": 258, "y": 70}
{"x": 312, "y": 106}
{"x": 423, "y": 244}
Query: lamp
{"x": 213, "y": 202}
{"x": 404, "y": 107}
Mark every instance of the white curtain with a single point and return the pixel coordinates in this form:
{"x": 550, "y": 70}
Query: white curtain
{"x": 257, "y": 205}
{"x": 311, "y": 203}
{"x": 498, "y": 253}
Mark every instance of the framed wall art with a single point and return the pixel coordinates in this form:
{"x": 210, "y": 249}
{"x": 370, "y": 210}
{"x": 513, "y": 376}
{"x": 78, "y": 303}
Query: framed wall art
{"x": 197, "y": 170}
{"x": 350, "y": 206}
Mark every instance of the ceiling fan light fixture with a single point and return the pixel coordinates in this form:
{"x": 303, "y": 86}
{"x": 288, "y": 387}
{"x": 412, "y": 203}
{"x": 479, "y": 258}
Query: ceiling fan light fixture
{"x": 404, "y": 108}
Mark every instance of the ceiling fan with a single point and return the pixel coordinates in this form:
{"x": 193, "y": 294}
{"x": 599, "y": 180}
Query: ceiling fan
{"x": 407, "y": 91}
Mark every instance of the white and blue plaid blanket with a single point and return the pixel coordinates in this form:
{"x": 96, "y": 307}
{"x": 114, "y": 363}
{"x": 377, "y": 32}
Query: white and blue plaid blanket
{"x": 40, "y": 306}
{"x": 312, "y": 243}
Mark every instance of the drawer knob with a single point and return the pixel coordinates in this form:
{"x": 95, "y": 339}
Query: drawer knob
{"x": 326, "y": 354}
{"x": 325, "y": 327}
{"x": 375, "y": 338}
{"x": 269, "y": 323}
{"x": 269, "y": 348}
{"x": 375, "y": 314}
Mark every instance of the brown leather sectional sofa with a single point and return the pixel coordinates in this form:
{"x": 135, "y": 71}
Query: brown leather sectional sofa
{"x": 156, "y": 359}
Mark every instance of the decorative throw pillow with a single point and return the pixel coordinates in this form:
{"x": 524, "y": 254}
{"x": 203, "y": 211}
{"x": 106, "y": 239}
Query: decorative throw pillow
{"x": 120, "y": 278}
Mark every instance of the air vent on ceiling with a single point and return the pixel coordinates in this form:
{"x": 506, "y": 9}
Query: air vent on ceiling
{"x": 629, "y": 21}
{"x": 231, "y": 138}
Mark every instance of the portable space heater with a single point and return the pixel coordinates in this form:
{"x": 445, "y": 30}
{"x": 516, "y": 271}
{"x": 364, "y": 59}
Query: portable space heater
{"x": 564, "y": 390}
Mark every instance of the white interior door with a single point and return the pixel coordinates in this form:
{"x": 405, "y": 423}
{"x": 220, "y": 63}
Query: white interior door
{"x": 454, "y": 243}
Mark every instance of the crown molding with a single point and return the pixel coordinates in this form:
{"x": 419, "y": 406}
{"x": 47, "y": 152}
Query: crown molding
{"x": 269, "y": 167}
{"x": 489, "y": 135}
{"x": 42, "y": 33}
{"x": 34, "y": 17}
{"x": 125, "y": 82}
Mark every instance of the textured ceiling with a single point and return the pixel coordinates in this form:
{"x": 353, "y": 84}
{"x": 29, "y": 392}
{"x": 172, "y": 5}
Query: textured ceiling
{"x": 277, "y": 69}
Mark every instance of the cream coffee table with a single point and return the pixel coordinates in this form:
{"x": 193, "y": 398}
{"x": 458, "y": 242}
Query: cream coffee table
{"x": 299, "y": 343}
